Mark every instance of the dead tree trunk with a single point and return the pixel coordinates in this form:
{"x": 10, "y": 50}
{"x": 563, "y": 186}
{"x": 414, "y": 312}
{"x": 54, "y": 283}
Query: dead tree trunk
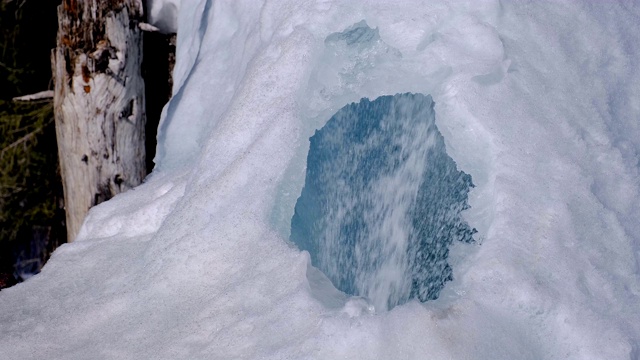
{"x": 98, "y": 102}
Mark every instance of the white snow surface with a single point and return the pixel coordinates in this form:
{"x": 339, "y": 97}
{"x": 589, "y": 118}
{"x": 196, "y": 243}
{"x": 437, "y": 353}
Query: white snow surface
{"x": 538, "y": 101}
{"x": 163, "y": 14}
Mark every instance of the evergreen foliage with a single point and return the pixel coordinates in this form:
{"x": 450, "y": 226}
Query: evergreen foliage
{"x": 30, "y": 189}
{"x": 29, "y": 182}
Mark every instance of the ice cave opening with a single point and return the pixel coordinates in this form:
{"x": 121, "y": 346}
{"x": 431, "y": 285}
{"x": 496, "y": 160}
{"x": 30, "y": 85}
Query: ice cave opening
{"x": 382, "y": 201}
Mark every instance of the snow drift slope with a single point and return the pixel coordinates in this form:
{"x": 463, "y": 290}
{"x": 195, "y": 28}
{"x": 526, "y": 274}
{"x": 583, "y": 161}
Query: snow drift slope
{"x": 538, "y": 102}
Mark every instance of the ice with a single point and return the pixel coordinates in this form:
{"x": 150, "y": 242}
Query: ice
{"x": 381, "y": 201}
{"x": 359, "y": 35}
{"x": 538, "y": 102}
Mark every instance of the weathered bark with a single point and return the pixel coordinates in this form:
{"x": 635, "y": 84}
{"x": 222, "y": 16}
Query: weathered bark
{"x": 98, "y": 102}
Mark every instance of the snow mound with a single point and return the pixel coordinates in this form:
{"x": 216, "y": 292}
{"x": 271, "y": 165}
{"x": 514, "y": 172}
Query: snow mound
{"x": 195, "y": 263}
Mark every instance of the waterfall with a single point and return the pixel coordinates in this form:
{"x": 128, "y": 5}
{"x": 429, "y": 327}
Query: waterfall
{"x": 382, "y": 200}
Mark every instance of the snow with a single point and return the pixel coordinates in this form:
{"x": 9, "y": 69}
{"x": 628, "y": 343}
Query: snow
{"x": 163, "y": 14}
{"x": 538, "y": 102}
{"x": 47, "y": 94}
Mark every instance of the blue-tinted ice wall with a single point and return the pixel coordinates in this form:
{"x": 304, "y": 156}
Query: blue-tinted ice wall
{"x": 382, "y": 200}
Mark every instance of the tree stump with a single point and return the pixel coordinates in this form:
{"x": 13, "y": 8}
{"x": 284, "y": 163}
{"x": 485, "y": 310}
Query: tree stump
{"x": 99, "y": 102}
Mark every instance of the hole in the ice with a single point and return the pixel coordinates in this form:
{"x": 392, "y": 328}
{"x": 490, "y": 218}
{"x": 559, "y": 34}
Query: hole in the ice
{"x": 382, "y": 201}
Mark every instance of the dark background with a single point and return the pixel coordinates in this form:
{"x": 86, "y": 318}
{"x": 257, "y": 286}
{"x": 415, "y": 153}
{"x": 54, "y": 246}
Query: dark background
{"x": 32, "y": 219}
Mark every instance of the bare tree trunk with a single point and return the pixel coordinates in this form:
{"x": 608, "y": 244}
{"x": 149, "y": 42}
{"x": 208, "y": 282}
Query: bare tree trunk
{"x": 98, "y": 102}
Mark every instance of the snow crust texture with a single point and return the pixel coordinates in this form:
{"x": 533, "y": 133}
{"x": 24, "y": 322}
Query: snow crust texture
{"x": 537, "y": 101}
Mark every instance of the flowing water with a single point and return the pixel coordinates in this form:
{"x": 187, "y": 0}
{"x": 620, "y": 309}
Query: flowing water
{"x": 382, "y": 200}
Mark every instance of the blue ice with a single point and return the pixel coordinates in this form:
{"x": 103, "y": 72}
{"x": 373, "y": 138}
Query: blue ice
{"x": 382, "y": 200}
